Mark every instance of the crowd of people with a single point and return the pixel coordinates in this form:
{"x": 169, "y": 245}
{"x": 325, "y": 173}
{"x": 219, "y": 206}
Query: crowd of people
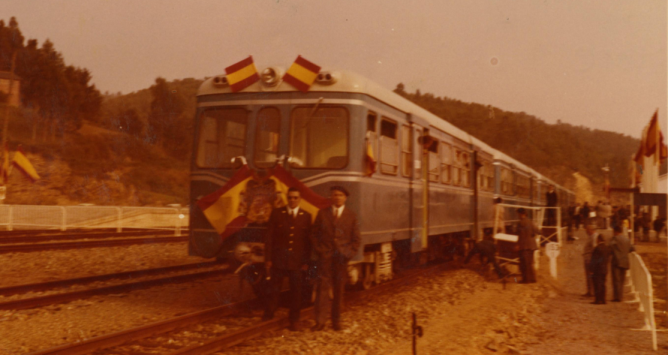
{"x": 605, "y": 216}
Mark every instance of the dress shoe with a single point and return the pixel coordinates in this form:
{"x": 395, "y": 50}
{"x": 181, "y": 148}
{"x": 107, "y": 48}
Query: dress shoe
{"x": 318, "y": 327}
{"x": 337, "y": 327}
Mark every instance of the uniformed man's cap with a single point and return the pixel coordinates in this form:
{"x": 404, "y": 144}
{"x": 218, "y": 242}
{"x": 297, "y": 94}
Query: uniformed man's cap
{"x": 339, "y": 188}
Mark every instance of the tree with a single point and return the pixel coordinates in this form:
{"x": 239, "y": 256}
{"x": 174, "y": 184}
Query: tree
{"x": 166, "y": 108}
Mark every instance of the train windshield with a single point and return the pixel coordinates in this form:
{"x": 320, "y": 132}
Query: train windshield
{"x": 222, "y": 136}
{"x": 319, "y": 139}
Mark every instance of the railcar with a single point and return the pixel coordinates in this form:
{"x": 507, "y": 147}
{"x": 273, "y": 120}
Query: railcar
{"x": 431, "y": 192}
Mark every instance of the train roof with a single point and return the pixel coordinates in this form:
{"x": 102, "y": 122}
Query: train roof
{"x": 350, "y": 82}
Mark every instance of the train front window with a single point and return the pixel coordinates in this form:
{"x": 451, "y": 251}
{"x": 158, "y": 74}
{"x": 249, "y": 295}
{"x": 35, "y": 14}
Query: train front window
{"x": 222, "y": 136}
{"x": 267, "y": 137}
{"x": 319, "y": 139}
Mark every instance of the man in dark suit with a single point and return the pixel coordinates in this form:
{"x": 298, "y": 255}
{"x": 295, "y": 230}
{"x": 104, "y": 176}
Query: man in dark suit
{"x": 526, "y": 242}
{"x": 336, "y": 239}
{"x": 487, "y": 251}
{"x": 287, "y": 253}
{"x": 620, "y": 247}
{"x": 599, "y": 269}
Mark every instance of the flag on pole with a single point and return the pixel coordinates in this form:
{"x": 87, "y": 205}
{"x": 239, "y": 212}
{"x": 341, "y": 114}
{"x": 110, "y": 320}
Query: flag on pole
{"x": 242, "y": 74}
{"x": 249, "y": 198}
{"x": 301, "y": 74}
{"x": 22, "y": 163}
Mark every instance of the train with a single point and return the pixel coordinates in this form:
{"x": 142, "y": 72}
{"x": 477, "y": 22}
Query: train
{"x": 431, "y": 191}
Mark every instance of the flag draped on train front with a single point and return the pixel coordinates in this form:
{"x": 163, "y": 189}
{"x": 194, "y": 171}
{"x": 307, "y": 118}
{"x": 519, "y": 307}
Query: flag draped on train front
{"x": 249, "y": 197}
{"x": 242, "y": 74}
{"x": 301, "y": 74}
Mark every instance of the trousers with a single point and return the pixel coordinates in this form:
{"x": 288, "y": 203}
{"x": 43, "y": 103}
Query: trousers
{"x": 526, "y": 266}
{"x": 295, "y": 278}
{"x": 590, "y": 284}
{"x": 332, "y": 275}
{"x": 599, "y": 287}
{"x": 618, "y": 276}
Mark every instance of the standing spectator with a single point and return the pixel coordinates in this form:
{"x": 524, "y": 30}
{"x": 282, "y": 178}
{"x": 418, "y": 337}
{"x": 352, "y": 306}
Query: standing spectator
{"x": 599, "y": 269}
{"x": 620, "y": 247}
{"x": 589, "y": 245}
{"x": 584, "y": 214}
{"x": 336, "y": 239}
{"x": 487, "y": 251}
{"x": 499, "y": 219}
{"x": 599, "y": 215}
{"x": 614, "y": 217}
{"x": 571, "y": 220}
{"x": 288, "y": 251}
{"x": 576, "y": 216}
{"x": 659, "y": 224}
{"x": 645, "y": 222}
{"x": 526, "y": 243}
{"x": 607, "y": 212}
{"x": 551, "y": 197}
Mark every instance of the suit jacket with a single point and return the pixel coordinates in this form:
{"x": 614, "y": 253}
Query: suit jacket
{"x": 551, "y": 198}
{"x": 336, "y": 234}
{"x": 620, "y": 248}
{"x": 526, "y": 232}
{"x": 287, "y": 242}
{"x": 590, "y": 244}
{"x": 599, "y": 260}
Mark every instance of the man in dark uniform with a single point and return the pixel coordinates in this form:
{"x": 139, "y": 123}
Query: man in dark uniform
{"x": 336, "y": 239}
{"x": 599, "y": 269}
{"x": 287, "y": 253}
{"x": 620, "y": 247}
{"x": 487, "y": 251}
{"x": 526, "y": 242}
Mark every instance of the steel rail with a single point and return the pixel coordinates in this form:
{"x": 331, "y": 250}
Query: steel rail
{"x": 44, "y": 286}
{"x": 145, "y": 331}
{"x": 75, "y": 236}
{"x": 123, "y": 288}
{"x": 237, "y": 337}
{"x": 233, "y": 338}
{"x": 26, "y": 248}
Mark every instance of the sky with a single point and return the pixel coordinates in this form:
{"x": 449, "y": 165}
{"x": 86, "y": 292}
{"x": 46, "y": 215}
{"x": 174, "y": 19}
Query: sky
{"x": 600, "y": 64}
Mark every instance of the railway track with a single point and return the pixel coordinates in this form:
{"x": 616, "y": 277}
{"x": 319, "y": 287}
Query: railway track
{"x": 121, "y": 288}
{"x": 40, "y": 238}
{"x": 234, "y": 337}
{"x": 27, "y": 248}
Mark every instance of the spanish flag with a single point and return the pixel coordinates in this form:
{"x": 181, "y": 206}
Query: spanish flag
{"x": 370, "y": 161}
{"x": 222, "y": 208}
{"x": 233, "y": 207}
{"x": 242, "y": 74}
{"x": 5, "y": 166}
{"x": 301, "y": 74}
{"x": 22, "y": 163}
{"x": 310, "y": 202}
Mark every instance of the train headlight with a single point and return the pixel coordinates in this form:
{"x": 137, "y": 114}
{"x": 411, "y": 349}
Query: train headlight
{"x": 327, "y": 78}
{"x": 220, "y": 80}
{"x": 271, "y": 76}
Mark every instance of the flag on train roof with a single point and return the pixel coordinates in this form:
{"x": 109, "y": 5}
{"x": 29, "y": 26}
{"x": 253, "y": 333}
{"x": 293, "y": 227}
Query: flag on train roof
{"x": 22, "y": 163}
{"x": 301, "y": 74}
{"x": 249, "y": 197}
{"x": 242, "y": 74}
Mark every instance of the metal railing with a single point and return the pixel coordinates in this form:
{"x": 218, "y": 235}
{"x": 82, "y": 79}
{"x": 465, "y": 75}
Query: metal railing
{"x": 26, "y": 217}
{"x": 641, "y": 288}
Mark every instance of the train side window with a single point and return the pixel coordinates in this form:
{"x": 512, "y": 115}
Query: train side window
{"x": 446, "y": 163}
{"x": 267, "y": 137}
{"x": 456, "y": 168}
{"x": 466, "y": 169}
{"x": 506, "y": 185}
{"x": 434, "y": 162}
{"x": 418, "y": 153}
{"x": 389, "y": 162}
{"x": 222, "y": 136}
{"x": 406, "y": 156}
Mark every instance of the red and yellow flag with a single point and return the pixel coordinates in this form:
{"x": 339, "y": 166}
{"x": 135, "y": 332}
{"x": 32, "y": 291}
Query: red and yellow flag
{"x": 301, "y": 74}
{"x": 242, "y": 74}
{"x": 370, "y": 161}
{"x": 22, "y": 163}
{"x": 5, "y": 166}
{"x": 248, "y": 198}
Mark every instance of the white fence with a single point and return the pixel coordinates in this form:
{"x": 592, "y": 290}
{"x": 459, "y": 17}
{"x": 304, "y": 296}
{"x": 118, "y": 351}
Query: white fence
{"x": 90, "y": 217}
{"x": 641, "y": 287}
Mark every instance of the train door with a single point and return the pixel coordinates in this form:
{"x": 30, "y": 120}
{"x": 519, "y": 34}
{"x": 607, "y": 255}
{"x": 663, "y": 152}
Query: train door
{"x": 419, "y": 187}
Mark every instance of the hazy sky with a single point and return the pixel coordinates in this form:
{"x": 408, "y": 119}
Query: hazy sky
{"x": 601, "y": 64}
